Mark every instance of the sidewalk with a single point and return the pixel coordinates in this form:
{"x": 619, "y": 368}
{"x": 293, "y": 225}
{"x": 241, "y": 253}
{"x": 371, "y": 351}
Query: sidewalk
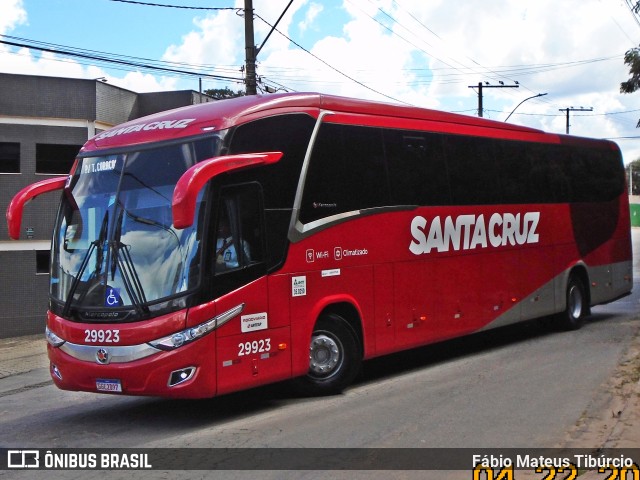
{"x": 613, "y": 421}
{"x": 23, "y": 364}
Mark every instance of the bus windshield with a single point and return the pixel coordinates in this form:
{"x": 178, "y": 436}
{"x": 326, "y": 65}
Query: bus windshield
{"x": 114, "y": 243}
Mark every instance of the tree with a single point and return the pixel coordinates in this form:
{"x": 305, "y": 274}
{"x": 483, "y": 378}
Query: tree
{"x": 632, "y": 59}
{"x": 222, "y": 93}
{"x": 633, "y": 177}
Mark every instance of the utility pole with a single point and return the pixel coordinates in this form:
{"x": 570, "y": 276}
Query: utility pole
{"x": 480, "y": 86}
{"x": 571, "y": 109}
{"x": 250, "y": 50}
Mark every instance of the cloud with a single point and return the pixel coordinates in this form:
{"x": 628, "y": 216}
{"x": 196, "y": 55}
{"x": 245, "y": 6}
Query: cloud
{"x": 214, "y": 41}
{"x": 145, "y": 82}
{"x": 312, "y": 13}
{"x": 13, "y": 14}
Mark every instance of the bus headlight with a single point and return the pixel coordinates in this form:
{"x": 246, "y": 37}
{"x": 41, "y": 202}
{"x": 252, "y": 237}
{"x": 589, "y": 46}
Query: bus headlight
{"x": 178, "y": 339}
{"x": 53, "y": 339}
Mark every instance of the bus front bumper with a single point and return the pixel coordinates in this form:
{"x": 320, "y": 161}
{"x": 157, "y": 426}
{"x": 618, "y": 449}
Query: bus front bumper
{"x": 186, "y": 372}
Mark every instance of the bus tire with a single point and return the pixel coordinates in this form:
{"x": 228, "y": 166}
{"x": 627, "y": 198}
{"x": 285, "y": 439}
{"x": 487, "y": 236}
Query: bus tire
{"x": 576, "y": 306}
{"x": 334, "y": 357}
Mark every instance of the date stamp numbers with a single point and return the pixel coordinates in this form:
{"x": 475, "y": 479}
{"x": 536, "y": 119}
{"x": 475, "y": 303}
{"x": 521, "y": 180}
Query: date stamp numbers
{"x": 569, "y": 472}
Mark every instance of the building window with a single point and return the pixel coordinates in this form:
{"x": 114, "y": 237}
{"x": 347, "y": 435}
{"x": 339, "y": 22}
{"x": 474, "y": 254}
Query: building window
{"x": 52, "y": 158}
{"x": 42, "y": 261}
{"x": 9, "y": 157}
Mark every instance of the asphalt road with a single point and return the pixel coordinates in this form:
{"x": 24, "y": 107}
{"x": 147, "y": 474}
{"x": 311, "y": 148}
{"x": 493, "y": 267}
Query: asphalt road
{"x": 520, "y": 386}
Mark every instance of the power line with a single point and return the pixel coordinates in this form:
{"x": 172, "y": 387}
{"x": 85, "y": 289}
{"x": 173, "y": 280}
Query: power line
{"x": 504, "y": 72}
{"x": 239, "y": 11}
{"x": 149, "y": 4}
{"x": 100, "y": 54}
{"x": 417, "y": 21}
{"x": 330, "y": 66}
{"x": 422, "y": 76}
{"x": 634, "y": 8}
{"x": 428, "y": 54}
{"x": 400, "y": 36}
{"x": 110, "y": 58}
{"x": 497, "y": 75}
{"x": 562, "y": 115}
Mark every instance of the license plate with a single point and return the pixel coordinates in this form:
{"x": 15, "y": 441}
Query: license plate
{"x": 108, "y": 385}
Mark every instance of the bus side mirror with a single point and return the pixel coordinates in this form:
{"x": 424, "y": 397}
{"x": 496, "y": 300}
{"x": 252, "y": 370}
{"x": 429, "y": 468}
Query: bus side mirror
{"x": 191, "y": 182}
{"x": 14, "y": 210}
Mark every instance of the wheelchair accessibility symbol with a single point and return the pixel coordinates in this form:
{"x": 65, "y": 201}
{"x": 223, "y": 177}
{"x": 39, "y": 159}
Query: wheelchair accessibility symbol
{"x": 112, "y": 297}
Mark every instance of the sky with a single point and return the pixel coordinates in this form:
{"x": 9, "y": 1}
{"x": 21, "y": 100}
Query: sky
{"x": 426, "y": 53}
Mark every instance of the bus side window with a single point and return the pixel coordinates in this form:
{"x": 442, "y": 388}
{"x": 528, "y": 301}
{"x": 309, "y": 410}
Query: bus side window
{"x": 558, "y": 167}
{"x": 473, "y": 174}
{"x": 347, "y": 172}
{"x": 519, "y": 176}
{"x": 417, "y": 170}
{"x": 596, "y": 175}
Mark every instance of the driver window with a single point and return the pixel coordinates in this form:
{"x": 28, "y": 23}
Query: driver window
{"x": 239, "y": 241}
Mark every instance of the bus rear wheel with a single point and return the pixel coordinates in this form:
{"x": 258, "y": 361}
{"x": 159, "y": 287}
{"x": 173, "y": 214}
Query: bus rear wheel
{"x": 577, "y": 308}
{"x": 334, "y": 357}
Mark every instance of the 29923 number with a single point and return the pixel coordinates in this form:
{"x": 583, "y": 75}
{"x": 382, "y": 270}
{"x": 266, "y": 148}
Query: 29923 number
{"x": 101, "y": 336}
{"x": 257, "y": 346}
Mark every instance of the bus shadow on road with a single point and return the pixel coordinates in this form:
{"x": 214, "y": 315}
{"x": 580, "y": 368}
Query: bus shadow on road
{"x": 438, "y": 353}
{"x": 156, "y": 417}
{"x": 185, "y": 414}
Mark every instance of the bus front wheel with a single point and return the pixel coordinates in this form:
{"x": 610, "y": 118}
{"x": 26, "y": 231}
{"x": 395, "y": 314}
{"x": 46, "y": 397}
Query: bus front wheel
{"x": 334, "y": 357}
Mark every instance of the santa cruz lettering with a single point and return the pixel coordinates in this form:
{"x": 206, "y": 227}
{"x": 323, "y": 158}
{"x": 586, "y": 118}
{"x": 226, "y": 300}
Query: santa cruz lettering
{"x": 182, "y": 123}
{"x": 467, "y": 232}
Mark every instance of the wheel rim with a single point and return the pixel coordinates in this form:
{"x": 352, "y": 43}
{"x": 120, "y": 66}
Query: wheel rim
{"x": 575, "y": 302}
{"x": 325, "y": 355}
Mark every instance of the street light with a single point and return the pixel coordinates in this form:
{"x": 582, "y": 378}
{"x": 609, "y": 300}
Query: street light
{"x": 535, "y": 96}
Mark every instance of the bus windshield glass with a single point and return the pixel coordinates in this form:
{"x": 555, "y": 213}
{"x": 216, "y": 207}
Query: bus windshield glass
{"x": 114, "y": 244}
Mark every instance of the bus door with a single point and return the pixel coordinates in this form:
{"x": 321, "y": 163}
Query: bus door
{"x": 252, "y": 346}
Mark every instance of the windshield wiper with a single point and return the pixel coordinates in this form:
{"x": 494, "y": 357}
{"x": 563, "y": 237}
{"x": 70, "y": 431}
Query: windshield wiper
{"x": 121, "y": 257}
{"x": 98, "y": 244}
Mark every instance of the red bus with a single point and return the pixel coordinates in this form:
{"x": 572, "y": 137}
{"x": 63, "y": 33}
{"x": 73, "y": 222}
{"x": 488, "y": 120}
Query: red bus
{"x": 222, "y": 246}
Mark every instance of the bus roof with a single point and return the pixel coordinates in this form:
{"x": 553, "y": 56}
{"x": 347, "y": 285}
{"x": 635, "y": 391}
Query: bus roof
{"x": 197, "y": 119}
